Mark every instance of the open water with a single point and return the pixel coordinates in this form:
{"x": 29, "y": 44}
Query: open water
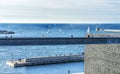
{"x": 46, "y": 30}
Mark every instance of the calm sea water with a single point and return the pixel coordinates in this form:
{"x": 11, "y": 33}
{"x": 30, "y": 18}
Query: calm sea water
{"x": 48, "y": 30}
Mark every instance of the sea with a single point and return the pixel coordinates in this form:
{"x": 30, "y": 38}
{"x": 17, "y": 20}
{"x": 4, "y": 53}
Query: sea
{"x": 46, "y": 30}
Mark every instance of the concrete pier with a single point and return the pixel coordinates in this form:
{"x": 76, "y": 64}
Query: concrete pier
{"x": 45, "y": 60}
{"x": 58, "y": 41}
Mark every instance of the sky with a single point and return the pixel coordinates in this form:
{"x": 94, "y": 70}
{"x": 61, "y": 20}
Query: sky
{"x": 60, "y": 11}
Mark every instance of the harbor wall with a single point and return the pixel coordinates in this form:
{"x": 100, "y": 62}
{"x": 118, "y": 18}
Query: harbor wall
{"x": 102, "y": 59}
{"x": 56, "y": 41}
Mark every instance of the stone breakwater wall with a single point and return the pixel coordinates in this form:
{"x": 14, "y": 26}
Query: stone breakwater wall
{"x": 102, "y": 59}
{"x": 56, "y": 41}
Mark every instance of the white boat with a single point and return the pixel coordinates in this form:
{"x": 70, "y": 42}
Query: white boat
{"x": 88, "y": 30}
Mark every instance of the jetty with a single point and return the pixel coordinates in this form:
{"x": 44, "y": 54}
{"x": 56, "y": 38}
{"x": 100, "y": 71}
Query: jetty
{"x": 108, "y": 30}
{"x": 45, "y": 60}
{"x": 24, "y": 41}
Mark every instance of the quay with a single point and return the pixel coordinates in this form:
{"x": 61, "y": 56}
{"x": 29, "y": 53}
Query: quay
{"x": 57, "y": 41}
{"x": 45, "y": 60}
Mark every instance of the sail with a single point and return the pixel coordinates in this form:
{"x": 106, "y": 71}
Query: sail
{"x": 88, "y": 30}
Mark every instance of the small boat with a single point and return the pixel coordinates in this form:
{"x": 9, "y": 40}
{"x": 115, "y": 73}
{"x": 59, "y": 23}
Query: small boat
{"x": 88, "y": 30}
{"x": 6, "y": 32}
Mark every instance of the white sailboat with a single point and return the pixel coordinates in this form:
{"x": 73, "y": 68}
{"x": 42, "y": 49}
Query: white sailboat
{"x": 88, "y": 30}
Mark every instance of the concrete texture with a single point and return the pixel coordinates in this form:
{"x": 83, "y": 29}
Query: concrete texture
{"x": 102, "y": 59}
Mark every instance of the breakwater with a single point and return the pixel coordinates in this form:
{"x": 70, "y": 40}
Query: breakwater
{"x": 57, "y": 41}
{"x": 45, "y": 60}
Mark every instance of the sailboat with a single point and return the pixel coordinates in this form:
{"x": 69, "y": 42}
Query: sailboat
{"x": 88, "y": 30}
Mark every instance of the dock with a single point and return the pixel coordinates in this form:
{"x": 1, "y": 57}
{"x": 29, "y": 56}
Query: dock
{"x": 45, "y": 60}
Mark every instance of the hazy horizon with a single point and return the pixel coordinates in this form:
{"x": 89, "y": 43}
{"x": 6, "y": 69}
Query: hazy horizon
{"x": 59, "y": 11}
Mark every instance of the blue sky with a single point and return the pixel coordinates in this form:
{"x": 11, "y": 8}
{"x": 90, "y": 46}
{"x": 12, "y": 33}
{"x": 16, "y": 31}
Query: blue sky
{"x": 61, "y": 11}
